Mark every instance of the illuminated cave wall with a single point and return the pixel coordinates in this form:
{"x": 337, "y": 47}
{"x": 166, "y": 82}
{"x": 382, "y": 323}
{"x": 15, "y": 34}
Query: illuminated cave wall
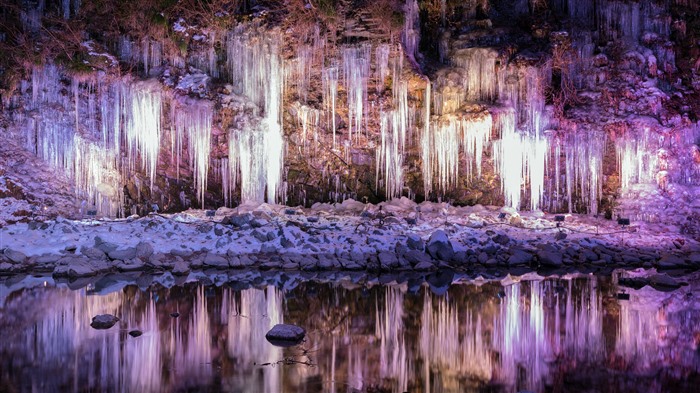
{"x": 559, "y": 105}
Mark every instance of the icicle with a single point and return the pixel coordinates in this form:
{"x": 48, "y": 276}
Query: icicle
{"x": 382, "y": 56}
{"x": 257, "y": 73}
{"x": 411, "y": 29}
{"x": 479, "y": 67}
{"x": 356, "y": 73}
{"x": 635, "y": 159}
{"x": 619, "y": 20}
{"x": 194, "y": 120}
{"x": 308, "y": 118}
{"x": 330, "y": 95}
{"x": 426, "y": 145}
{"x": 507, "y": 157}
{"x": 143, "y": 127}
{"x": 304, "y": 63}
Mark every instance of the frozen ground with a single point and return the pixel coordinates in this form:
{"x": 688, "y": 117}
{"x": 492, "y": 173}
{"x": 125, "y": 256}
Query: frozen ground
{"x": 396, "y": 235}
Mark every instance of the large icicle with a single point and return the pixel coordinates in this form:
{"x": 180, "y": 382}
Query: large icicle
{"x": 143, "y": 127}
{"x": 330, "y": 96}
{"x": 356, "y": 73}
{"x": 257, "y": 149}
{"x": 410, "y": 36}
{"x": 194, "y": 120}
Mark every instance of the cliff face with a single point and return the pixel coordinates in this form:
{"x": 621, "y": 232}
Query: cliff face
{"x": 559, "y": 105}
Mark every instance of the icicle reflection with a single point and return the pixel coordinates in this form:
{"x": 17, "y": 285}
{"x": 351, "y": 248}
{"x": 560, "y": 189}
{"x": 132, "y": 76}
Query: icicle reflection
{"x": 519, "y": 335}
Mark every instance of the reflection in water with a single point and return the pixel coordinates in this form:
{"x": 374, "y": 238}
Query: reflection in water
{"x": 535, "y": 335}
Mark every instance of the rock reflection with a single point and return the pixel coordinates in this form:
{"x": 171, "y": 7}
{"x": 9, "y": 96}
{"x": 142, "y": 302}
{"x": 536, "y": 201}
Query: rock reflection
{"x": 521, "y": 334}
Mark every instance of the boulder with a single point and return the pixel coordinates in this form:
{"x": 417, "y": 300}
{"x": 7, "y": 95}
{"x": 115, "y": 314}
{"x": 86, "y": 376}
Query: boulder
{"x": 550, "y": 258}
{"x": 14, "y": 256}
{"x": 670, "y": 261}
{"x": 181, "y": 268}
{"x": 124, "y": 254}
{"x": 216, "y": 260}
{"x": 284, "y": 335}
{"x": 387, "y": 260}
{"x": 439, "y": 246}
{"x": 93, "y": 253}
{"x": 103, "y": 321}
{"x": 144, "y": 250}
{"x": 519, "y": 257}
{"x": 414, "y": 242}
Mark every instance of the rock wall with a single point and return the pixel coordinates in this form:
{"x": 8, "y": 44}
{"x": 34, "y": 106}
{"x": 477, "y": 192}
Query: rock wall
{"x": 554, "y": 105}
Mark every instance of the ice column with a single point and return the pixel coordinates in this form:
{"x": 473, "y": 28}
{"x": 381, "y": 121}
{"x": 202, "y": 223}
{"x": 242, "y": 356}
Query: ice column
{"x": 143, "y": 128}
{"x": 194, "y": 120}
{"x": 356, "y": 73}
{"x": 257, "y": 73}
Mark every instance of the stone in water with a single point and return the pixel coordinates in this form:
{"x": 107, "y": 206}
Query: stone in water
{"x": 283, "y": 335}
{"x": 103, "y": 321}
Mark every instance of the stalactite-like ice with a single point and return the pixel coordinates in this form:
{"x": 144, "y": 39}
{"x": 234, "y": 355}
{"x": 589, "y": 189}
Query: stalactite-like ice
{"x": 193, "y": 119}
{"x": 382, "y": 65}
{"x": 584, "y": 168}
{"x": 143, "y": 127}
{"x": 635, "y": 158}
{"x": 410, "y": 36}
{"x": 478, "y": 65}
{"x": 356, "y": 73}
{"x": 309, "y": 119}
{"x": 257, "y": 73}
{"x": 330, "y": 96}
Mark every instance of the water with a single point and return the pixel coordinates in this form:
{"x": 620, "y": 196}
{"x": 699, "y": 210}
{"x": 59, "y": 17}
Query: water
{"x": 529, "y": 332}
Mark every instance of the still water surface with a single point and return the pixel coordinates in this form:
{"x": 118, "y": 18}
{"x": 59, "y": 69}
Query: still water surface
{"x": 527, "y": 333}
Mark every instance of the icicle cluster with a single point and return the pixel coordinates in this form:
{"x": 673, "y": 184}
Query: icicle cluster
{"x": 356, "y": 73}
{"x": 257, "y": 148}
{"x": 193, "y": 120}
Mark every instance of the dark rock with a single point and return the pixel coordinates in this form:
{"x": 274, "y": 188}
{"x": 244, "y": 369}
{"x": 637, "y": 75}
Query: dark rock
{"x": 560, "y": 236}
{"x": 519, "y": 257}
{"x": 439, "y": 246}
{"x": 414, "y": 242}
{"x": 175, "y": 314}
{"x": 549, "y": 258}
{"x": 258, "y": 223}
{"x": 144, "y": 250}
{"x": 103, "y": 321}
{"x": 128, "y": 253}
{"x": 14, "y": 256}
{"x": 670, "y": 261}
{"x": 104, "y": 246}
{"x": 387, "y": 260}
{"x": 268, "y": 248}
{"x": 135, "y": 333}
{"x": 286, "y": 243}
{"x": 181, "y": 268}
{"x": 131, "y": 265}
{"x": 240, "y": 220}
{"x": 501, "y": 239}
{"x": 215, "y": 260}
{"x": 93, "y": 253}
{"x": 284, "y": 335}
{"x": 415, "y": 257}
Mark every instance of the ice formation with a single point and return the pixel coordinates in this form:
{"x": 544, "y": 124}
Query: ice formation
{"x": 193, "y": 120}
{"x": 356, "y": 74}
{"x": 257, "y": 150}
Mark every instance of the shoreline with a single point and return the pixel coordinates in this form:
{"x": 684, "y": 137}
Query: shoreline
{"x": 393, "y": 236}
